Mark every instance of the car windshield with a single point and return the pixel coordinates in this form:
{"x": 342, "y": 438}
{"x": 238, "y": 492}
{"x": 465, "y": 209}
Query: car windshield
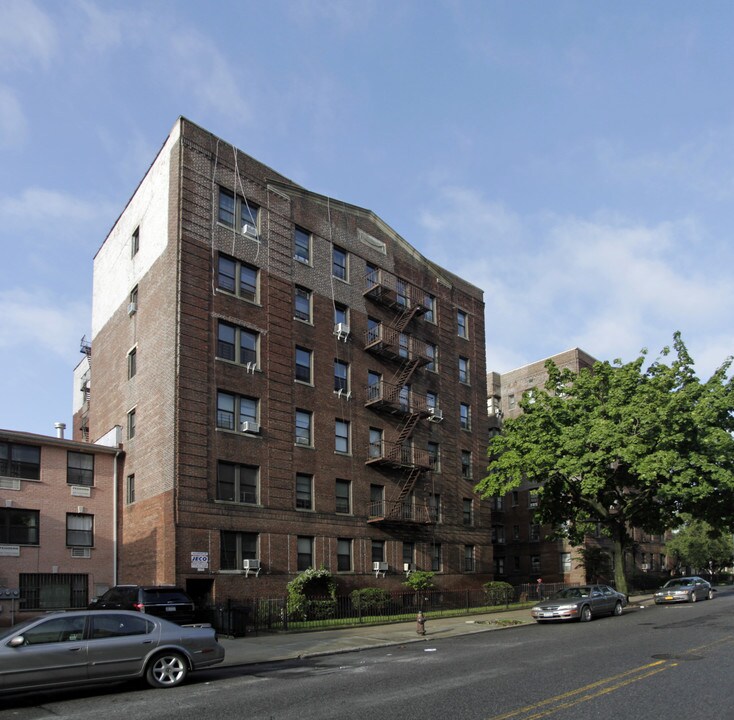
{"x": 681, "y": 582}
{"x": 15, "y": 630}
{"x": 572, "y": 593}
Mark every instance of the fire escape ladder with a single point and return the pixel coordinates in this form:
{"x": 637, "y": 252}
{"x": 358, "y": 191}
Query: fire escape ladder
{"x": 406, "y": 430}
{"x": 405, "y": 372}
{"x": 403, "y": 320}
{"x": 409, "y": 484}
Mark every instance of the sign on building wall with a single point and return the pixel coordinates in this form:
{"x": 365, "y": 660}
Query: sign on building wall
{"x": 200, "y": 561}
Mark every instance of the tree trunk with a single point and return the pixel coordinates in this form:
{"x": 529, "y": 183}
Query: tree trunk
{"x": 620, "y": 578}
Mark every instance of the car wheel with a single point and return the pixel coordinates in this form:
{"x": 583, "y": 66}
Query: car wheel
{"x": 167, "y": 670}
{"x": 585, "y": 614}
{"x": 693, "y": 597}
{"x": 617, "y": 609}
{"x": 710, "y": 596}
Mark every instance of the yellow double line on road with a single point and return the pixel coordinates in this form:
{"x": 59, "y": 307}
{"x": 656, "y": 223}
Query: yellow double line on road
{"x": 587, "y": 692}
{"x": 600, "y": 687}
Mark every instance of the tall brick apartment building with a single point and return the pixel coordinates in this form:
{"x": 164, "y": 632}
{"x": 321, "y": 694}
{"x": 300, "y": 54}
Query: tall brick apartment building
{"x": 523, "y": 549}
{"x": 298, "y": 386}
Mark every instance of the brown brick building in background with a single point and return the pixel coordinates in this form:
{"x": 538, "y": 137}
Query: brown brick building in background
{"x": 524, "y": 550}
{"x": 297, "y": 386}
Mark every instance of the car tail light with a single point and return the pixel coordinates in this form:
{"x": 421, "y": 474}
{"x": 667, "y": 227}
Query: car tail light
{"x": 139, "y": 607}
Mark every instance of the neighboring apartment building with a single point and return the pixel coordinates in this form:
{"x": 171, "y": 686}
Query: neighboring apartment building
{"x": 56, "y": 520}
{"x": 523, "y": 549}
{"x": 298, "y": 386}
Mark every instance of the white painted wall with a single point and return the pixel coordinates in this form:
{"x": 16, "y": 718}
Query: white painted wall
{"x": 115, "y": 271}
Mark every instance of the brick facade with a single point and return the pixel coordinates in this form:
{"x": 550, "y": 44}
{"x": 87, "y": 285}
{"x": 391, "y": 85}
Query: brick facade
{"x": 180, "y": 440}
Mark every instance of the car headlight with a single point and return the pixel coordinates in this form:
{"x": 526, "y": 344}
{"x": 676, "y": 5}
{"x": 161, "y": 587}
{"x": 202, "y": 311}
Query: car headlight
{"x": 567, "y": 607}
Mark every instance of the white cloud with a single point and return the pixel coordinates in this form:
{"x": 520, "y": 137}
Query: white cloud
{"x": 27, "y": 36}
{"x": 607, "y": 285}
{"x": 13, "y": 125}
{"x": 40, "y": 321}
{"x": 39, "y": 206}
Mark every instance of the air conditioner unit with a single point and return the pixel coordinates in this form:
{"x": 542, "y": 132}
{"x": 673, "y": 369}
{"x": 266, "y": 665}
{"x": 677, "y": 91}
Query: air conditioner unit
{"x": 132, "y": 308}
{"x": 302, "y": 441}
{"x": 645, "y": 566}
{"x": 81, "y": 552}
{"x": 408, "y": 567}
{"x": 341, "y": 330}
{"x": 249, "y": 230}
{"x": 250, "y": 427}
{"x": 435, "y": 415}
{"x": 379, "y": 567}
{"x": 250, "y": 564}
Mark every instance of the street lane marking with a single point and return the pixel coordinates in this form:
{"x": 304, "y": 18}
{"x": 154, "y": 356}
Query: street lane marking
{"x": 596, "y": 689}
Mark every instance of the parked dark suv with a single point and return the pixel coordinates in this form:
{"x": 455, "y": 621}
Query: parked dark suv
{"x": 165, "y": 601}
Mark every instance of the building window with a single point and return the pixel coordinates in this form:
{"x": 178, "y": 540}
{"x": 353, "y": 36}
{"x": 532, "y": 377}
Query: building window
{"x": 498, "y": 503}
{"x": 434, "y": 456}
{"x": 515, "y": 532}
{"x": 238, "y": 212}
{"x": 237, "y": 483}
{"x": 234, "y": 410}
{"x": 515, "y": 498}
{"x": 401, "y": 291}
{"x": 132, "y": 363}
{"x": 436, "y": 558}
{"x": 237, "y": 344}
{"x": 375, "y": 450}
{"x": 343, "y": 497}
{"x": 19, "y": 527}
{"x": 469, "y": 558}
{"x": 305, "y": 553}
{"x": 409, "y": 554}
{"x": 430, "y": 305}
{"x": 377, "y": 500}
{"x": 130, "y": 489}
{"x": 498, "y": 534}
{"x": 343, "y": 555}
{"x": 339, "y": 262}
{"x": 432, "y": 355}
{"x": 378, "y": 551}
{"x": 499, "y": 565}
{"x": 304, "y": 491}
{"x": 238, "y": 278}
{"x": 565, "y": 562}
{"x": 341, "y": 376}
{"x": 79, "y": 530}
{"x": 304, "y": 369}
{"x": 303, "y": 427}
{"x": 431, "y": 401}
{"x": 466, "y": 465}
{"x": 468, "y": 511}
{"x": 535, "y": 563}
{"x": 341, "y": 314}
{"x": 132, "y": 307}
{"x": 462, "y": 322}
{"x": 534, "y": 532}
{"x": 374, "y": 330}
{"x": 516, "y": 562}
{"x": 20, "y": 461}
{"x": 135, "y": 242}
{"x": 464, "y": 370}
{"x": 533, "y": 499}
{"x": 79, "y": 468}
{"x": 434, "y": 507}
{"x": 131, "y": 422}
{"x": 302, "y": 246}
{"x": 302, "y": 304}
{"x": 511, "y": 401}
{"x": 374, "y": 385}
{"x": 234, "y": 547}
{"x": 341, "y": 436}
{"x": 465, "y": 417}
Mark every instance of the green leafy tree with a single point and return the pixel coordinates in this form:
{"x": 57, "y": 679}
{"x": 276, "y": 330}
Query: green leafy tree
{"x": 697, "y": 545}
{"x": 623, "y": 446}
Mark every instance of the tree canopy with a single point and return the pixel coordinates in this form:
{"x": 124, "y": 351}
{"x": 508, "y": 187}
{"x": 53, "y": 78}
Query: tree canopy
{"x": 701, "y": 548}
{"x": 622, "y": 446}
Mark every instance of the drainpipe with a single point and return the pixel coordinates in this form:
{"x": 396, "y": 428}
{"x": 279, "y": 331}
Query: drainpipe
{"x": 114, "y": 519}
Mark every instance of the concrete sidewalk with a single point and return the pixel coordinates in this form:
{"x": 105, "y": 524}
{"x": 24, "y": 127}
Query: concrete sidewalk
{"x": 273, "y": 647}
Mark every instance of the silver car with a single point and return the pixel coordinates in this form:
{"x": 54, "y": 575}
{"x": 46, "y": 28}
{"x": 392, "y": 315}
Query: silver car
{"x": 580, "y": 603}
{"x": 83, "y": 647}
{"x": 684, "y": 589}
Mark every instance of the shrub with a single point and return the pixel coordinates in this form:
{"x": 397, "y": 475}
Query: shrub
{"x": 312, "y": 583}
{"x": 370, "y": 600}
{"x": 498, "y": 592}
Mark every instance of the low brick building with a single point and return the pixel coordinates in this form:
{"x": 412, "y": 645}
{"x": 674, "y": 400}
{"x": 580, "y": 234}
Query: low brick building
{"x": 57, "y": 544}
{"x": 298, "y": 386}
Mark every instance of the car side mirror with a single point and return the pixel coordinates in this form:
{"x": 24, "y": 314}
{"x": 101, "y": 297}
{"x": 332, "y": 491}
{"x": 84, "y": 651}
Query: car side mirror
{"x": 17, "y": 641}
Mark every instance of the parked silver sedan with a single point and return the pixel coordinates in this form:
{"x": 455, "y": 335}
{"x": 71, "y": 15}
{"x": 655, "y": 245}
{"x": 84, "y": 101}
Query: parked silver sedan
{"x": 580, "y": 603}
{"x": 684, "y": 589}
{"x": 84, "y": 647}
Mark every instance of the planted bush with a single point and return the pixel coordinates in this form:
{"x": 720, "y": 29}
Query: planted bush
{"x": 498, "y": 592}
{"x": 370, "y": 600}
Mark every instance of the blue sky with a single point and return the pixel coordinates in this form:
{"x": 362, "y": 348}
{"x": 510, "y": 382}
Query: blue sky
{"x": 573, "y": 159}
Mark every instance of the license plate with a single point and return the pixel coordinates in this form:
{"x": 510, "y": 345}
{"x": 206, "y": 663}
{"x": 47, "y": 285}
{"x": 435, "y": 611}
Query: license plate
{"x": 668, "y": 597}
{"x": 170, "y": 609}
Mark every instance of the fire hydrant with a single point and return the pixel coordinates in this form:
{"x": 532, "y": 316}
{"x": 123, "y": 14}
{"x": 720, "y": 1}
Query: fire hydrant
{"x": 420, "y": 623}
